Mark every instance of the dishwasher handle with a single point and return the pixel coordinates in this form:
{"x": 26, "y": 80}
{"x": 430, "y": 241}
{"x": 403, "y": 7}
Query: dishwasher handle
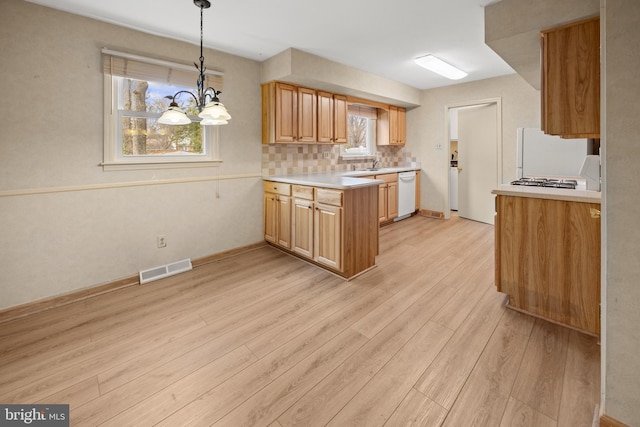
{"x": 407, "y": 176}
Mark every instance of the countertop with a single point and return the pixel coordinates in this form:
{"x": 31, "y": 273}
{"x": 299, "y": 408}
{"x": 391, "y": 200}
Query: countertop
{"x": 342, "y": 180}
{"x": 568, "y": 195}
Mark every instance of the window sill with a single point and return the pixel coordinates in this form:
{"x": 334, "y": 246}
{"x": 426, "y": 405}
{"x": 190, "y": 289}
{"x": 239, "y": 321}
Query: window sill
{"x": 358, "y": 157}
{"x": 107, "y": 166}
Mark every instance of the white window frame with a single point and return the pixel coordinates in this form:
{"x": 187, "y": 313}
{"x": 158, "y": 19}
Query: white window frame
{"x": 113, "y": 158}
{"x": 371, "y": 144}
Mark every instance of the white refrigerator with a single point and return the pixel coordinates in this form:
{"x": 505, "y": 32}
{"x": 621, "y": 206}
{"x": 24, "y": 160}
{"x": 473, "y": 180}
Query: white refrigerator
{"x": 539, "y": 154}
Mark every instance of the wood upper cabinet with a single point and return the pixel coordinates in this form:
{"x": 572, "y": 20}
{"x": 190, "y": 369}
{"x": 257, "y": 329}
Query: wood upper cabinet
{"x": 392, "y": 126}
{"x": 307, "y": 115}
{"x": 286, "y": 113}
{"x": 332, "y": 118}
{"x": 548, "y": 259}
{"x": 289, "y": 114}
{"x": 299, "y": 115}
{"x": 571, "y": 80}
{"x": 339, "y": 119}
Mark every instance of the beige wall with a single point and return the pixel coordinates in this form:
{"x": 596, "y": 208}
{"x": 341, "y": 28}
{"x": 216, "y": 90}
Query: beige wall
{"x": 621, "y": 154}
{"x": 426, "y": 129}
{"x": 52, "y": 139}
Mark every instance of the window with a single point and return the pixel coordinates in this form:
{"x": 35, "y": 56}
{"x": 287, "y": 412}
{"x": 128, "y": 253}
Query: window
{"x": 135, "y": 90}
{"x": 361, "y": 132}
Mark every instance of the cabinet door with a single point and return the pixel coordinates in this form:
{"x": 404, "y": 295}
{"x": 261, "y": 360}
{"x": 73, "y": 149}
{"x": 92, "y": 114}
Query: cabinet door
{"x": 401, "y": 126}
{"x": 303, "y": 227}
{"x": 283, "y": 228}
{"x": 270, "y": 218}
{"x": 535, "y": 238}
{"x": 417, "y": 190}
{"x": 328, "y": 235}
{"x": 571, "y": 80}
{"x": 307, "y": 115}
{"x": 393, "y": 125}
{"x": 325, "y": 117}
{"x": 382, "y": 202}
{"x": 392, "y": 200}
{"x": 340, "y": 119}
{"x": 286, "y": 115}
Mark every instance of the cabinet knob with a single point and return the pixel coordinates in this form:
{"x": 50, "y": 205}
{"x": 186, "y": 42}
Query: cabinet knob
{"x": 595, "y": 213}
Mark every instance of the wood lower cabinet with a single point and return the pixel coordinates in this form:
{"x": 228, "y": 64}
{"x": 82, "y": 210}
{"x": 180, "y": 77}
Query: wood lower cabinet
{"x": 303, "y": 220}
{"x": 336, "y": 229}
{"x": 388, "y": 197}
{"x": 548, "y": 259}
{"x": 328, "y": 235}
{"x": 277, "y": 214}
{"x": 571, "y": 80}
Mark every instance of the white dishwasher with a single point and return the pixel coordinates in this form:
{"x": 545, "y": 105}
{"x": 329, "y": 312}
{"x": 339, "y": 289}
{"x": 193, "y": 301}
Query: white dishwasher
{"x": 406, "y": 194}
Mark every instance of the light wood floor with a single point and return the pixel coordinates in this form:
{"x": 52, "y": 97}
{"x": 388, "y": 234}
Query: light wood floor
{"x": 265, "y": 339}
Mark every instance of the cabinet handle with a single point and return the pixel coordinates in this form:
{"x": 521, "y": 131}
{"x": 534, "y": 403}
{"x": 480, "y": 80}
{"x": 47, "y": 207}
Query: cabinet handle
{"x": 595, "y": 213}
{"x": 309, "y": 207}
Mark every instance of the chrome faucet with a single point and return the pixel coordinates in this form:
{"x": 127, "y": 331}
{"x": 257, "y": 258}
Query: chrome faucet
{"x": 375, "y": 162}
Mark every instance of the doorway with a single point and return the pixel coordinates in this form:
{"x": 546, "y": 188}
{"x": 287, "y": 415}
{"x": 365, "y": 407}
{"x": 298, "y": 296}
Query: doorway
{"x": 474, "y": 159}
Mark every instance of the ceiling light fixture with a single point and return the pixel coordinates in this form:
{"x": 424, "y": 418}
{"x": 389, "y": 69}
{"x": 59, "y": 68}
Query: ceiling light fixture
{"x": 438, "y": 66}
{"x": 211, "y": 110}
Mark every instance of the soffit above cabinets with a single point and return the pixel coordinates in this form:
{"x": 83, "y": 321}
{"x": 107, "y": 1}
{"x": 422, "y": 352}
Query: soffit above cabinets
{"x": 512, "y": 29}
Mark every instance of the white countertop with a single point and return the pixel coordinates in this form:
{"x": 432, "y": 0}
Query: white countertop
{"x": 568, "y": 195}
{"x": 339, "y": 180}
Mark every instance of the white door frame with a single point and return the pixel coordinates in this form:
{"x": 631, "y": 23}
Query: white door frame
{"x": 447, "y": 134}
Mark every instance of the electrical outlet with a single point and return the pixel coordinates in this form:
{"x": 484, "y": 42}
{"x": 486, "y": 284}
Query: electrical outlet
{"x": 326, "y": 154}
{"x": 162, "y": 241}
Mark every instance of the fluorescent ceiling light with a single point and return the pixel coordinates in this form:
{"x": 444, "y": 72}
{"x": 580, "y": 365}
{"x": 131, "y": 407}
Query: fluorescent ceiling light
{"x": 437, "y": 65}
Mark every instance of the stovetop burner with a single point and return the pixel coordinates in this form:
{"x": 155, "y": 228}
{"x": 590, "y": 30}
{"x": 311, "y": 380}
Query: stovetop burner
{"x": 546, "y": 182}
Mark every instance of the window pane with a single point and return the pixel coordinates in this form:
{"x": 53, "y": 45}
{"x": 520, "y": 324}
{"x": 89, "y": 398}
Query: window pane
{"x": 361, "y": 135}
{"x": 140, "y": 104}
{"x": 145, "y": 136}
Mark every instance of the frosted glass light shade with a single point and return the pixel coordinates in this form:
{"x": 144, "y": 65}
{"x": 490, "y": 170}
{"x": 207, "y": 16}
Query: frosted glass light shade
{"x": 438, "y": 66}
{"x": 174, "y": 116}
{"x": 208, "y": 121}
{"x": 216, "y": 111}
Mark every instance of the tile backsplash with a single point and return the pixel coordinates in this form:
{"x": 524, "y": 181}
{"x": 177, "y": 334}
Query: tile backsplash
{"x": 286, "y": 159}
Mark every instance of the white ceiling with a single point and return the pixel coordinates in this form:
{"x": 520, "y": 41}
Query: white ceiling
{"x": 381, "y": 37}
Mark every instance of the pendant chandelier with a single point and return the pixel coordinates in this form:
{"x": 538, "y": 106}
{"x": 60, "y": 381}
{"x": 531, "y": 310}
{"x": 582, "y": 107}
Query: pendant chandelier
{"x": 211, "y": 110}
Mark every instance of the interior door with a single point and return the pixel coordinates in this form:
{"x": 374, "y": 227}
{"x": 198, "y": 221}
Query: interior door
{"x": 477, "y": 161}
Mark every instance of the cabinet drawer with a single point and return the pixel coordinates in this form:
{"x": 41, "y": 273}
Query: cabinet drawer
{"x": 388, "y": 177}
{"x": 277, "y": 187}
{"x": 329, "y": 197}
{"x": 303, "y": 192}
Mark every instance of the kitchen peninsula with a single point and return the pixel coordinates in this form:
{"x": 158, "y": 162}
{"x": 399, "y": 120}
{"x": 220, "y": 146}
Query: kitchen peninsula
{"x": 327, "y": 219}
{"x": 548, "y": 253}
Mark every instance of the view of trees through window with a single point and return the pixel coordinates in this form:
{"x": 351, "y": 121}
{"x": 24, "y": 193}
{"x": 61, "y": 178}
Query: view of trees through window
{"x": 141, "y": 103}
{"x": 357, "y": 134}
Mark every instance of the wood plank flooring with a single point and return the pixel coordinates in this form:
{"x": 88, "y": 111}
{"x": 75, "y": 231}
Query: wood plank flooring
{"x": 263, "y": 338}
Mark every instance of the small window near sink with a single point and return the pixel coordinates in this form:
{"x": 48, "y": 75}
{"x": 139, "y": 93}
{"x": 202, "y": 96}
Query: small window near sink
{"x": 361, "y": 127}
